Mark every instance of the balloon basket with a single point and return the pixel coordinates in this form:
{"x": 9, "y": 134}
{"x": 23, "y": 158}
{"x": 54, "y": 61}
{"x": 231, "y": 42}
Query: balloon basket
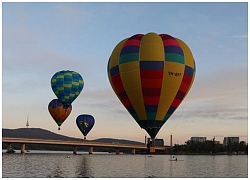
{"x": 151, "y": 146}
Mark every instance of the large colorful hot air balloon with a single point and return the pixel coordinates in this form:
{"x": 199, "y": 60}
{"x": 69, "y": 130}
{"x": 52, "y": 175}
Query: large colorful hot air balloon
{"x": 85, "y": 123}
{"x": 151, "y": 74}
{"x": 67, "y": 85}
{"x": 58, "y": 111}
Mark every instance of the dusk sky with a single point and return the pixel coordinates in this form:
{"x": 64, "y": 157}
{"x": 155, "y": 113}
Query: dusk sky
{"x": 40, "y": 39}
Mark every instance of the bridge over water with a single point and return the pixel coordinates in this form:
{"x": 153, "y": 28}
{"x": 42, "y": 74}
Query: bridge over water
{"x": 90, "y": 144}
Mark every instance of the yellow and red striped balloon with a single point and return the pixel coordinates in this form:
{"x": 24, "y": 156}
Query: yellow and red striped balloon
{"x": 58, "y": 111}
{"x": 151, "y": 74}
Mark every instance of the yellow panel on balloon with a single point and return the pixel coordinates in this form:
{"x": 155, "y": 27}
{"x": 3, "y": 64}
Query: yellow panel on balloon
{"x": 189, "y": 60}
{"x": 173, "y": 73}
{"x": 136, "y": 99}
{"x": 115, "y": 55}
{"x": 130, "y": 79}
{"x": 131, "y": 82}
{"x": 152, "y": 48}
{"x": 131, "y": 66}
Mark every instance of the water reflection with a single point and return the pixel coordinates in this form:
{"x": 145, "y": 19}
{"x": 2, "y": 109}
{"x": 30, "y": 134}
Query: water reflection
{"x": 84, "y": 169}
{"x": 121, "y": 166}
{"x": 71, "y": 166}
{"x": 155, "y": 166}
{"x": 148, "y": 166}
{"x": 57, "y": 170}
{"x": 56, "y": 173}
{"x": 171, "y": 167}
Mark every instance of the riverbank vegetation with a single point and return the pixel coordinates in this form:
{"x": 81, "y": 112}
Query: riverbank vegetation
{"x": 210, "y": 147}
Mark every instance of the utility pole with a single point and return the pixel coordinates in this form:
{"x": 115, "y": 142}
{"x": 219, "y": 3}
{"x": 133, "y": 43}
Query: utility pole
{"x": 171, "y": 140}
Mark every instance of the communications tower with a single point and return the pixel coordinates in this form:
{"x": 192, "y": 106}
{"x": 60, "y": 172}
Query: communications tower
{"x": 27, "y": 123}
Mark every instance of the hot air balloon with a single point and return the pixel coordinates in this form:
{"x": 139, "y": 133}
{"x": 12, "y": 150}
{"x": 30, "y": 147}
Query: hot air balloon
{"x": 151, "y": 74}
{"x": 67, "y": 85}
{"x": 58, "y": 111}
{"x": 85, "y": 123}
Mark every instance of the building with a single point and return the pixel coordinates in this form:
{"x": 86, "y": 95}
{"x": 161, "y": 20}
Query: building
{"x": 159, "y": 142}
{"x": 216, "y": 142}
{"x": 231, "y": 140}
{"x": 198, "y": 139}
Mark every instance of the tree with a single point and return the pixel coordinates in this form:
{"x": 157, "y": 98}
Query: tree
{"x": 243, "y": 147}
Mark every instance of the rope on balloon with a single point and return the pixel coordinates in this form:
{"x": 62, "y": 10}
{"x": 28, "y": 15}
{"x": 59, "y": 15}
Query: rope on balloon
{"x": 179, "y": 119}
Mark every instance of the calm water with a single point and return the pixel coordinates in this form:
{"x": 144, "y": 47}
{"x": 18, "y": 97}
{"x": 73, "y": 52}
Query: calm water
{"x": 43, "y": 165}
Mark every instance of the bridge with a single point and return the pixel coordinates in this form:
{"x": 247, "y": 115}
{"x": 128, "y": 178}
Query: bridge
{"x": 90, "y": 144}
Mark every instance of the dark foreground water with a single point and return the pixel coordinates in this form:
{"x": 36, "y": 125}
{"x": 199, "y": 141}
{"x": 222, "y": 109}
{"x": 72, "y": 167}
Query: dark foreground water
{"x": 44, "y": 165}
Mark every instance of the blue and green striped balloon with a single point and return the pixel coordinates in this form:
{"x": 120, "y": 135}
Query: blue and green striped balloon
{"x": 67, "y": 85}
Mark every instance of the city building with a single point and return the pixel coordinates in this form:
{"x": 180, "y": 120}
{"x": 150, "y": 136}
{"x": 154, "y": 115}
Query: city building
{"x": 231, "y": 140}
{"x": 216, "y": 142}
{"x": 198, "y": 139}
{"x": 159, "y": 142}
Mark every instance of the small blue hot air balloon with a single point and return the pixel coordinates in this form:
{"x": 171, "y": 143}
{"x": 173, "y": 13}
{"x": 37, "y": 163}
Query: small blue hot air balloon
{"x": 85, "y": 123}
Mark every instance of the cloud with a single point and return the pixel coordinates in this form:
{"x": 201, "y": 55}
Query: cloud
{"x": 13, "y": 34}
{"x": 101, "y": 100}
{"x": 240, "y": 37}
{"x": 72, "y": 11}
{"x": 222, "y": 95}
{"x": 218, "y": 112}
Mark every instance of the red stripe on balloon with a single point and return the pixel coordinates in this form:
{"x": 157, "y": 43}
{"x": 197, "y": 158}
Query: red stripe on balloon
{"x": 176, "y": 103}
{"x": 126, "y": 102}
{"x": 184, "y": 87}
{"x": 151, "y": 78}
{"x": 151, "y": 91}
{"x": 151, "y": 96}
{"x": 132, "y": 42}
{"x": 169, "y": 40}
{"x": 151, "y": 83}
{"x": 117, "y": 83}
{"x": 187, "y": 79}
{"x": 151, "y": 100}
{"x": 149, "y": 74}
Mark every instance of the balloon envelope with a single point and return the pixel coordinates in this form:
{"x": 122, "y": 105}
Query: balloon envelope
{"x": 67, "y": 85}
{"x": 151, "y": 74}
{"x": 58, "y": 111}
{"x": 85, "y": 123}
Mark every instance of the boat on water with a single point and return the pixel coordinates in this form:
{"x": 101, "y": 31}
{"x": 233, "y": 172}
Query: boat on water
{"x": 174, "y": 158}
{"x": 10, "y": 151}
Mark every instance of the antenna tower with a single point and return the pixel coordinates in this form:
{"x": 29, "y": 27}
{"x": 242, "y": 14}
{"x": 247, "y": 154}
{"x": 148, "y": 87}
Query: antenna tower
{"x": 27, "y": 123}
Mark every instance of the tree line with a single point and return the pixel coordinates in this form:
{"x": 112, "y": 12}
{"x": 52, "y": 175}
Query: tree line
{"x": 211, "y": 147}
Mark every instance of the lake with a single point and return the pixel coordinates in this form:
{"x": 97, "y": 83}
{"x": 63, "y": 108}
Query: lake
{"x": 45, "y": 164}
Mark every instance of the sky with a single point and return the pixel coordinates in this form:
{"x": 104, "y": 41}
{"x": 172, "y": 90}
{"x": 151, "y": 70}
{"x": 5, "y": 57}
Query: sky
{"x": 40, "y": 39}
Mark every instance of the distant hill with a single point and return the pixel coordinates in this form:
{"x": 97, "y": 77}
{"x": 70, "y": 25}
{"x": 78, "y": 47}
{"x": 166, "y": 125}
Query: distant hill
{"x": 111, "y": 140}
{"x": 38, "y": 133}
{"x": 34, "y": 133}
